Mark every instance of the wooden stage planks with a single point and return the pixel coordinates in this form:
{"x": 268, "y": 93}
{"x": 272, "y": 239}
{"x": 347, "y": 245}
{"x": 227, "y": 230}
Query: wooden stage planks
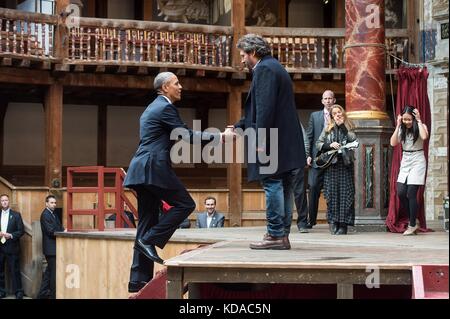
{"x": 315, "y": 257}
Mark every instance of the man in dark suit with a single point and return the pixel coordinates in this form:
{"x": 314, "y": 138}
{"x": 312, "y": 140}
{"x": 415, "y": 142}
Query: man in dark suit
{"x": 316, "y": 124}
{"x": 150, "y": 174}
{"x": 10, "y": 232}
{"x": 50, "y": 224}
{"x": 270, "y": 107}
{"x": 211, "y": 218}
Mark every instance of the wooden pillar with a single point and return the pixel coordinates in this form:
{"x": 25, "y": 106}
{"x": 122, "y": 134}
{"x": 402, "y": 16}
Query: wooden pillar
{"x": 340, "y": 14}
{"x": 413, "y": 30}
{"x": 234, "y": 170}
{"x": 61, "y": 30}
{"x": 147, "y": 9}
{"x": 238, "y": 25}
{"x": 3, "y": 108}
{"x": 53, "y": 105}
{"x": 282, "y": 13}
{"x": 102, "y": 126}
{"x": 89, "y": 9}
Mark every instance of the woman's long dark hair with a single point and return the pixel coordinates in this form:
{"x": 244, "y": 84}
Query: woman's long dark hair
{"x": 414, "y": 130}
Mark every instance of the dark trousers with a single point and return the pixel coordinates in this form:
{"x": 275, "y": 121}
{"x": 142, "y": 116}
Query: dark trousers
{"x": 154, "y": 230}
{"x": 13, "y": 262}
{"x": 300, "y": 198}
{"x": 48, "y": 284}
{"x": 315, "y": 181}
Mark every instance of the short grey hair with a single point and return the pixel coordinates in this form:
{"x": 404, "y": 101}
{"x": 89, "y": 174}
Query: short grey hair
{"x": 254, "y": 43}
{"x": 161, "y": 79}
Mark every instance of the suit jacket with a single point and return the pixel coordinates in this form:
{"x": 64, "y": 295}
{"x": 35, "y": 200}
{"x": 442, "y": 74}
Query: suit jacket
{"x": 218, "y": 220}
{"x": 16, "y": 229}
{"x": 151, "y": 163}
{"x": 270, "y": 103}
{"x": 50, "y": 224}
{"x": 315, "y": 128}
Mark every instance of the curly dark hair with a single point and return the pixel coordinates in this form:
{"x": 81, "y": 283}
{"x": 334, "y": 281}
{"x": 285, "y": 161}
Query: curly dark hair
{"x": 254, "y": 43}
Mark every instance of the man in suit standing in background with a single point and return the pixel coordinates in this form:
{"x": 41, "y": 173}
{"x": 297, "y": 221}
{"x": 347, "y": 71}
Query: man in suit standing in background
{"x": 317, "y": 121}
{"x": 10, "y": 232}
{"x": 211, "y": 218}
{"x": 50, "y": 224}
{"x": 151, "y": 175}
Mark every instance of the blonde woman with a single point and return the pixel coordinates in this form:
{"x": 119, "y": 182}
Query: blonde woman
{"x": 339, "y": 185}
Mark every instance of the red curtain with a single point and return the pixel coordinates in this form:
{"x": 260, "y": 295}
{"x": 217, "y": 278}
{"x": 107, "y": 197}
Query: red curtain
{"x": 412, "y": 90}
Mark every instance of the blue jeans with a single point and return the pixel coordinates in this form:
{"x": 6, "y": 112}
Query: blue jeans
{"x": 279, "y": 203}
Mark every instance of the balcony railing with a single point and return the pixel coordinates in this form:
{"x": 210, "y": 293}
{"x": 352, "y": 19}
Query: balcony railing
{"x": 157, "y": 44}
{"x": 25, "y": 34}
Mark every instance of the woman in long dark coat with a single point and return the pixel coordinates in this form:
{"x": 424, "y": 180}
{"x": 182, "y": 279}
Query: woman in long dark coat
{"x": 339, "y": 184}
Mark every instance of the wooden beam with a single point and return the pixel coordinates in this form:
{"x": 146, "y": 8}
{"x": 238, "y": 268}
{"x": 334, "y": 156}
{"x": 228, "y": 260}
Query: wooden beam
{"x": 102, "y": 123}
{"x": 238, "y": 24}
{"x": 53, "y": 105}
{"x": 28, "y": 76}
{"x": 147, "y": 8}
{"x": 3, "y": 109}
{"x": 234, "y": 170}
{"x": 413, "y": 30}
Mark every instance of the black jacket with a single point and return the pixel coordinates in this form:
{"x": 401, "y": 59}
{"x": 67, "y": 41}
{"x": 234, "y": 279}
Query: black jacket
{"x": 270, "y": 104}
{"x": 50, "y": 224}
{"x": 16, "y": 229}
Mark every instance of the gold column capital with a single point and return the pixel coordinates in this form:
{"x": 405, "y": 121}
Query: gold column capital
{"x": 368, "y": 115}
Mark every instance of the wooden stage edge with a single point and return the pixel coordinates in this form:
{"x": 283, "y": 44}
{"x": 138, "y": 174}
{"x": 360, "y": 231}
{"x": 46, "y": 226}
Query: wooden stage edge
{"x": 104, "y": 258}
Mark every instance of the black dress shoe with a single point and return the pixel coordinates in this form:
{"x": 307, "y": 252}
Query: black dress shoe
{"x": 148, "y": 251}
{"x": 135, "y": 286}
{"x": 19, "y": 295}
{"x": 309, "y": 226}
{"x": 342, "y": 229}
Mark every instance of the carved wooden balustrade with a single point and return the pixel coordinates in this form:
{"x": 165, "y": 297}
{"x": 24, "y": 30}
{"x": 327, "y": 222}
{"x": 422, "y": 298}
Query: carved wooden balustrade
{"x": 149, "y": 43}
{"x": 158, "y": 44}
{"x": 25, "y": 34}
{"x": 307, "y": 50}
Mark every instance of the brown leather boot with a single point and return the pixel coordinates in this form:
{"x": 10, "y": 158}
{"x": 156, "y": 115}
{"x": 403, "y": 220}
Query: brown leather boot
{"x": 286, "y": 242}
{"x": 269, "y": 242}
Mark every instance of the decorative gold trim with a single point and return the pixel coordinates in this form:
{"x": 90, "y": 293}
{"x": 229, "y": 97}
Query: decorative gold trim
{"x": 368, "y": 115}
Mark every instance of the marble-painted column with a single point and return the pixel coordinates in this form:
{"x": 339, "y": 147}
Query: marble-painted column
{"x": 365, "y": 83}
{"x": 365, "y": 95}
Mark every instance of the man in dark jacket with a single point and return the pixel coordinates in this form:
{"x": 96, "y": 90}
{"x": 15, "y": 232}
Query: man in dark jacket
{"x": 150, "y": 174}
{"x": 11, "y": 230}
{"x": 50, "y": 224}
{"x": 270, "y": 109}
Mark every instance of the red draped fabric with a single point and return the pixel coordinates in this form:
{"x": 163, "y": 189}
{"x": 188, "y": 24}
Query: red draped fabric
{"x": 412, "y": 90}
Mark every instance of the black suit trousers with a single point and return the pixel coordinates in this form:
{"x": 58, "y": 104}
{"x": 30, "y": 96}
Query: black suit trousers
{"x": 13, "y": 261}
{"x": 300, "y": 198}
{"x": 154, "y": 230}
{"x": 315, "y": 181}
{"x": 48, "y": 284}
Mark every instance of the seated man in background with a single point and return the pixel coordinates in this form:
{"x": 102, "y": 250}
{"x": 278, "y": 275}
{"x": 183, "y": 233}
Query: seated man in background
{"x": 211, "y": 218}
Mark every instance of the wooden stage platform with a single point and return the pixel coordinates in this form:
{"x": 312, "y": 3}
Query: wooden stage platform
{"x": 315, "y": 258}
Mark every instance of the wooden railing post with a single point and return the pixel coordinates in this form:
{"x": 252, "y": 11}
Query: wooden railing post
{"x": 61, "y": 29}
{"x": 238, "y": 25}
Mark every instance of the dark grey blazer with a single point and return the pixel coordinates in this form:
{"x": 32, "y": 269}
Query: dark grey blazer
{"x": 151, "y": 164}
{"x": 218, "y": 220}
{"x": 315, "y": 128}
{"x": 270, "y": 103}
